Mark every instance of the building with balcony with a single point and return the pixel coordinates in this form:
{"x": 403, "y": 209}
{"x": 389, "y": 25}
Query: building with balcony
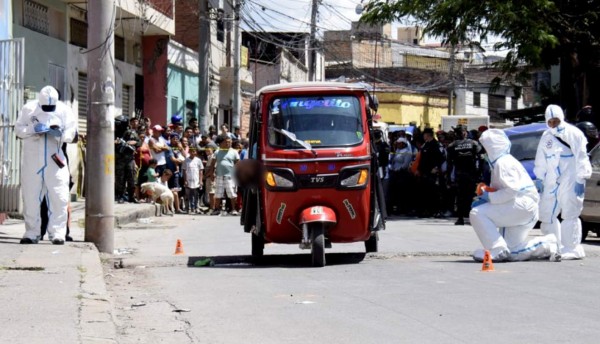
{"x": 55, "y": 52}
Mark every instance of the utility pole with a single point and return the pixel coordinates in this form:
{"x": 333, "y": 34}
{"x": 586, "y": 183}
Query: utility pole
{"x": 451, "y": 77}
{"x": 100, "y": 176}
{"x": 203, "y": 72}
{"x": 312, "y": 54}
{"x": 237, "y": 48}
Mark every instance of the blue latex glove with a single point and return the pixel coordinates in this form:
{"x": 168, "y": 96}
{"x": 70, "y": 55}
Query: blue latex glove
{"x": 477, "y": 202}
{"x": 55, "y": 132}
{"x": 485, "y": 196}
{"x": 40, "y": 128}
{"x": 579, "y": 189}
{"x": 539, "y": 185}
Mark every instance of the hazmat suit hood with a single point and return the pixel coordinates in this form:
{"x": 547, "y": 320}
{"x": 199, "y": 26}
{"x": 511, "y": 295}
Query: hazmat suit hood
{"x": 496, "y": 143}
{"x": 554, "y": 111}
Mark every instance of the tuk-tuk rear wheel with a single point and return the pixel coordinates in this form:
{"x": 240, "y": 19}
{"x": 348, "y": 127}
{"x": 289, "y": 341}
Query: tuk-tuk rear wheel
{"x": 258, "y": 246}
{"x": 318, "y": 245}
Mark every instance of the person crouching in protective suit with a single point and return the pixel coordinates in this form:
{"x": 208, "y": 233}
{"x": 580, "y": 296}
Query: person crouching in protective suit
{"x": 44, "y": 124}
{"x": 508, "y": 209}
{"x": 562, "y": 164}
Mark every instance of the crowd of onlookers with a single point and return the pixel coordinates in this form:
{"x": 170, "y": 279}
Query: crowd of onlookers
{"x": 431, "y": 174}
{"x": 197, "y": 168}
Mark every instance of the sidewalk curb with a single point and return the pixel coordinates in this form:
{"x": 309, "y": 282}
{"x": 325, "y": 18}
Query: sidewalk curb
{"x": 97, "y": 324}
{"x": 133, "y": 216}
{"x": 121, "y": 218}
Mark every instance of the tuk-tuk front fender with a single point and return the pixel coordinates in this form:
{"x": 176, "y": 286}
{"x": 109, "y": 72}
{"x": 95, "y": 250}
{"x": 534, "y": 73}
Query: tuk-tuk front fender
{"x": 318, "y": 214}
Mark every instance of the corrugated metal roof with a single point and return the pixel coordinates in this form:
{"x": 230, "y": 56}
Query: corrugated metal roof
{"x": 415, "y": 50}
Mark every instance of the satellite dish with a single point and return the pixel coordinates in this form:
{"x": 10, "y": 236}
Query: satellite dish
{"x": 359, "y": 8}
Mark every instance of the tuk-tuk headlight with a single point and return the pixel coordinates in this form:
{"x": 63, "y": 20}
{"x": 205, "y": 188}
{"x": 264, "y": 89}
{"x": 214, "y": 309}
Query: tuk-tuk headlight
{"x": 354, "y": 178}
{"x": 280, "y": 179}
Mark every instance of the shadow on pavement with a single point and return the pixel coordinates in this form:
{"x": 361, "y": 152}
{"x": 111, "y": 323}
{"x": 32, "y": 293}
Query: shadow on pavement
{"x": 276, "y": 260}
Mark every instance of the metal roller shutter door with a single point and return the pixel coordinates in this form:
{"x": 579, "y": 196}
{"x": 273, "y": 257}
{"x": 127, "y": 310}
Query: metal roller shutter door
{"x": 82, "y": 107}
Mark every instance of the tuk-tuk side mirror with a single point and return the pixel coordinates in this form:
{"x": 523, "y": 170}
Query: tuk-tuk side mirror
{"x": 374, "y": 103}
{"x": 253, "y": 107}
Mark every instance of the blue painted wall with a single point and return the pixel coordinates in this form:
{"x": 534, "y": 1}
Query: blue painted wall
{"x": 182, "y": 85}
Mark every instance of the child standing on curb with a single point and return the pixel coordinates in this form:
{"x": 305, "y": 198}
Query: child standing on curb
{"x": 192, "y": 177}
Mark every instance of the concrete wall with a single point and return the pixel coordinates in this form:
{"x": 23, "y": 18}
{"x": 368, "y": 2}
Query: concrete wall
{"x": 40, "y": 51}
{"x": 291, "y": 69}
{"x": 471, "y": 109}
{"x": 155, "y": 77}
{"x": 402, "y": 108}
{"x": 431, "y": 63}
{"x": 366, "y": 52}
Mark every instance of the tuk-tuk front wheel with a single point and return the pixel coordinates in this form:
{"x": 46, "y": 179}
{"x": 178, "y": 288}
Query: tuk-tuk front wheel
{"x": 317, "y": 235}
{"x": 372, "y": 244}
{"x": 258, "y": 245}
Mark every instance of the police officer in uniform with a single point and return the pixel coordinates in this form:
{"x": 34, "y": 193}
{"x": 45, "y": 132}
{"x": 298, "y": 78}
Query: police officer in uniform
{"x": 428, "y": 174}
{"x": 463, "y": 162}
{"x": 125, "y": 168}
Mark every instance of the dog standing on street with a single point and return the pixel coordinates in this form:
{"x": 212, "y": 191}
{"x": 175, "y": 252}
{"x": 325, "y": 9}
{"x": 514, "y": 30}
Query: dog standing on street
{"x": 162, "y": 195}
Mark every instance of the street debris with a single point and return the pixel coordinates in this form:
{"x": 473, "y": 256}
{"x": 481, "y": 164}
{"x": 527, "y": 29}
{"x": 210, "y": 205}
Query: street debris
{"x": 182, "y": 310}
{"x": 304, "y": 302}
{"x": 140, "y": 304}
{"x": 22, "y": 268}
{"x": 122, "y": 251}
{"x": 204, "y": 262}
{"x": 145, "y": 220}
{"x": 119, "y": 264}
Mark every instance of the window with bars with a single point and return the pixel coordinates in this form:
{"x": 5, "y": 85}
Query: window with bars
{"x": 35, "y": 17}
{"x": 79, "y": 33}
{"x": 126, "y": 100}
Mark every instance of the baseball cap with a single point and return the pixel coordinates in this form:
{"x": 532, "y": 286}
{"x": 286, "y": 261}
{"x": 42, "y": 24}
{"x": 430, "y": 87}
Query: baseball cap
{"x": 48, "y": 96}
{"x": 157, "y": 128}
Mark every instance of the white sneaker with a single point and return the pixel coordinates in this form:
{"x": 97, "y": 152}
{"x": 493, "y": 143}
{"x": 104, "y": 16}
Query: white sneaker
{"x": 234, "y": 213}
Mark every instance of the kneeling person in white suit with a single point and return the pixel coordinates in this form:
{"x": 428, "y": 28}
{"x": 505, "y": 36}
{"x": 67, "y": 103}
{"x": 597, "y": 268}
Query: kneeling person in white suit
{"x": 503, "y": 218}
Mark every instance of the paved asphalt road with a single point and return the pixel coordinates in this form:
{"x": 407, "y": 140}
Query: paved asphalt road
{"x": 422, "y": 287}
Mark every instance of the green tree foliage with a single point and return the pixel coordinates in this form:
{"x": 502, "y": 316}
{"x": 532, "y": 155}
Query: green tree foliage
{"x": 537, "y": 33}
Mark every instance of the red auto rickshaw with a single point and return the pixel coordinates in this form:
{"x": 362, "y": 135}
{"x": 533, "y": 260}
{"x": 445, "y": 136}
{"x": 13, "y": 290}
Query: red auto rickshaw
{"x": 316, "y": 168}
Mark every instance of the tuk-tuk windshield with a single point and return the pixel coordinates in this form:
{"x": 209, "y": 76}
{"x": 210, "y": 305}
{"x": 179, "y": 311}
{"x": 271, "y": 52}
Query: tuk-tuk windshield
{"x": 321, "y": 121}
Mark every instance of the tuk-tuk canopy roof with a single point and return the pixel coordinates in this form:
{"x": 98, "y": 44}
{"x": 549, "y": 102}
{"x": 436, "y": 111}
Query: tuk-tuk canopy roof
{"x": 311, "y": 86}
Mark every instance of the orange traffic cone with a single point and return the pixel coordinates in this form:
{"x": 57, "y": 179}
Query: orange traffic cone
{"x": 488, "y": 265}
{"x": 179, "y": 248}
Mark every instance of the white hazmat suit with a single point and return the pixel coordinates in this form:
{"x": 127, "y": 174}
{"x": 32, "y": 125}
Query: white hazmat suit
{"x": 43, "y": 134}
{"x": 503, "y": 218}
{"x": 563, "y": 165}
